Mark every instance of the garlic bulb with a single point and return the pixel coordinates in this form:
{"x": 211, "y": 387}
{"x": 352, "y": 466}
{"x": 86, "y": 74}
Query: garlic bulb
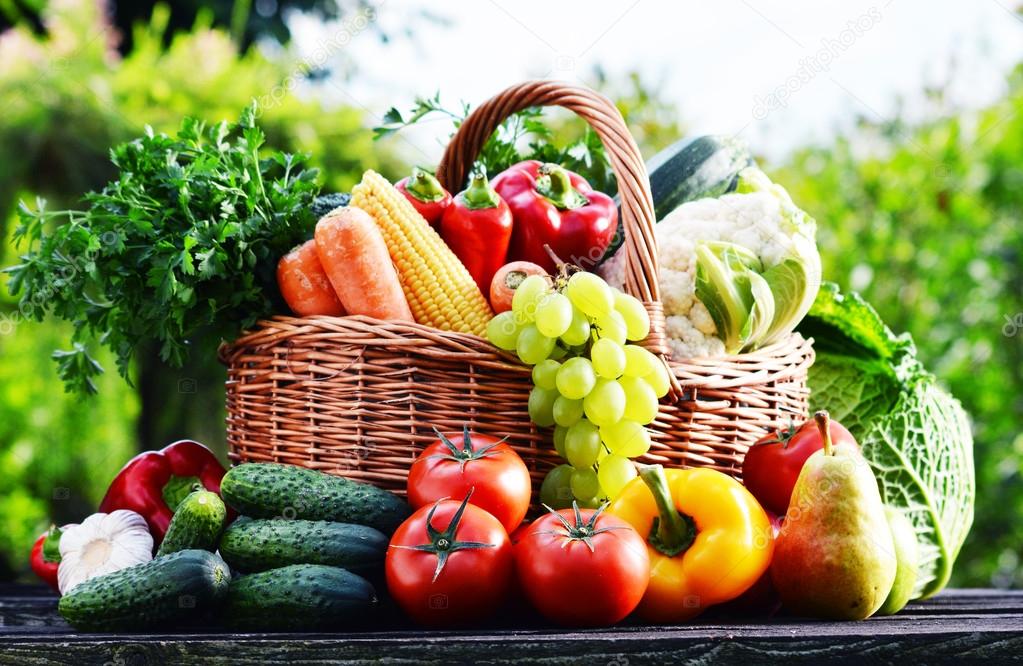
{"x": 101, "y": 544}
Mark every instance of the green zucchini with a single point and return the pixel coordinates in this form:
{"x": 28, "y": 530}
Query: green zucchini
{"x": 197, "y": 523}
{"x": 273, "y": 490}
{"x": 690, "y": 169}
{"x": 258, "y": 545}
{"x": 298, "y": 597}
{"x": 158, "y": 593}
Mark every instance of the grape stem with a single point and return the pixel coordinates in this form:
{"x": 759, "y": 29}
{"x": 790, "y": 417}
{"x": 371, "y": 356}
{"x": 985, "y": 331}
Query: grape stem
{"x": 564, "y": 269}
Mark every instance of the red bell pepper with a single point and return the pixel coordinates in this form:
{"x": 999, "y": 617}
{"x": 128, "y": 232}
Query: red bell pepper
{"x": 45, "y": 557}
{"x": 477, "y": 226}
{"x": 553, "y": 206}
{"x": 426, "y": 193}
{"x": 153, "y": 483}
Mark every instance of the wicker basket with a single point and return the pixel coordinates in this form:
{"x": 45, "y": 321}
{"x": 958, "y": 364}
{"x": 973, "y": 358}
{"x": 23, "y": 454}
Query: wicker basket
{"x": 359, "y": 397}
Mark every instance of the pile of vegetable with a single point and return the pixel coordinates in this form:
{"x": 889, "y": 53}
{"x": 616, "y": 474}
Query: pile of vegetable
{"x": 202, "y": 230}
{"x": 262, "y": 547}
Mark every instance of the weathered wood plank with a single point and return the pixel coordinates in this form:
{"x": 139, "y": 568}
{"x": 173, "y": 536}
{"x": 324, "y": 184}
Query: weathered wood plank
{"x": 975, "y": 624}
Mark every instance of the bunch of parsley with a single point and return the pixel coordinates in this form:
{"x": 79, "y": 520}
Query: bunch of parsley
{"x": 186, "y": 238}
{"x": 522, "y": 136}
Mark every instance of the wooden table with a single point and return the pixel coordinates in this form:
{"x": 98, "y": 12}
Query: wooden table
{"x": 970, "y": 624}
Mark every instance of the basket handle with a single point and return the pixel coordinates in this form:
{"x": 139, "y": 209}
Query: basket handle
{"x": 637, "y": 209}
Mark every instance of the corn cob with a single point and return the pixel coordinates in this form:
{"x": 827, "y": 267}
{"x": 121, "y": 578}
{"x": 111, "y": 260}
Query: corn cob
{"x": 439, "y": 289}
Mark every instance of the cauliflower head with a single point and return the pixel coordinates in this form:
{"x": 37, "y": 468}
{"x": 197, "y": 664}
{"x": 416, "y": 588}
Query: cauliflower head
{"x": 763, "y": 268}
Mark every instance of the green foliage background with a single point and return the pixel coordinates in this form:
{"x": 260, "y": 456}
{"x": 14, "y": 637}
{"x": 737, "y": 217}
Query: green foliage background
{"x": 923, "y": 220}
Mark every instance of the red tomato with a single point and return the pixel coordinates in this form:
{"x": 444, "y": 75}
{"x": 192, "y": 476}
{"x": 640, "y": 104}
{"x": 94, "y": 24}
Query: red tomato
{"x": 453, "y": 466}
{"x": 449, "y": 564}
{"x": 507, "y": 279}
{"x": 582, "y": 567}
{"x": 772, "y": 465}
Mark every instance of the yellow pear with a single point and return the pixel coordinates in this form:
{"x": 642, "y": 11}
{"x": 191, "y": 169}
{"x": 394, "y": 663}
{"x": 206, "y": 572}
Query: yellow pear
{"x": 834, "y": 557}
{"x": 907, "y": 553}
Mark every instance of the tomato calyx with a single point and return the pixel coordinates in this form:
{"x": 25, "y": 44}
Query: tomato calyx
{"x": 465, "y": 453}
{"x": 672, "y": 532}
{"x": 783, "y": 437}
{"x": 442, "y": 544}
{"x": 579, "y": 529}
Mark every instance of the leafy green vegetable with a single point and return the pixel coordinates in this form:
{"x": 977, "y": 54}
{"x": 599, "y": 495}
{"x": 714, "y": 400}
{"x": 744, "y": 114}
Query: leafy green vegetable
{"x": 522, "y": 136}
{"x": 915, "y": 435}
{"x": 185, "y": 239}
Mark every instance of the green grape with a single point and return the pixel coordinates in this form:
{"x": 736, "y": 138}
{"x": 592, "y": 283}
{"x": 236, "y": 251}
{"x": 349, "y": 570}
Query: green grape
{"x": 637, "y": 319}
{"x": 545, "y": 374}
{"x": 576, "y": 378}
{"x": 659, "y": 380}
{"x": 605, "y": 404}
{"x": 559, "y": 440}
{"x": 639, "y": 362}
{"x": 611, "y": 326}
{"x": 558, "y": 352}
{"x": 614, "y": 473}
{"x": 533, "y": 346}
{"x": 556, "y": 490}
{"x": 553, "y": 314}
{"x": 503, "y": 332}
{"x": 582, "y": 444}
{"x": 620, "y": 435}
{"x": 584, "y": 484}
{"x": 541, "y": 406}
{"x": 608, "y": 358}
{"x": 589, "y": 502}
{"x": 567, "y": 412}
{"x": 590, "y": 294}
{"x": 626, "y": 438}
{"x": 527, "y": 296}
{"x": 578, "y": 331}
{"x": 640, "y": 400}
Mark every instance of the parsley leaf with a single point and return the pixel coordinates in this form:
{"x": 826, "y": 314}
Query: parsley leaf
{"x": 186, "y": 238}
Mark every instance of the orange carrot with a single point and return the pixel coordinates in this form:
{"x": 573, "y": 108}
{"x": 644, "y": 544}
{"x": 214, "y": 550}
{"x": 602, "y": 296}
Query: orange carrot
{"x": 304, "y": 284}
{"x": 354, "y": 255}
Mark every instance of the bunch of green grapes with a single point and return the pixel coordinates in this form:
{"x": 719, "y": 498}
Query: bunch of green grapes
{"x": 598, "y": 391}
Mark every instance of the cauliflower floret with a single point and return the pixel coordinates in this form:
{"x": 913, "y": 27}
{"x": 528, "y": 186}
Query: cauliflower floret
{"x": 760, "y": 217}
{"x": 701, "y": 319}
{"x": 686, "y": 341}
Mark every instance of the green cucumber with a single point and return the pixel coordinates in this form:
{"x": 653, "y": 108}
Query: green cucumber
{"x": 158, "y": 593}
{"x": 690, "y": 169}
{"x": 298, "y": 597}
{"x": 197, "y": 523}
{"x": 258, "y": 545}
{"x": 273, "y": 490}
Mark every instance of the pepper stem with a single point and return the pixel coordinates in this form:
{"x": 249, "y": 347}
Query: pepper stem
{"x": 672, "y": 532}
{"x": 424, "y": 186}
{"x": 823, "y": 420}
{"x": 51, "y": 546}
{"x": 554, "y": 185}
{"x": 479, "y": 194}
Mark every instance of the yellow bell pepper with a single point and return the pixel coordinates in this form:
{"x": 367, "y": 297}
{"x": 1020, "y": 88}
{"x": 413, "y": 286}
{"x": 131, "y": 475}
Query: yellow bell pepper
{"x": 708, "y": 538}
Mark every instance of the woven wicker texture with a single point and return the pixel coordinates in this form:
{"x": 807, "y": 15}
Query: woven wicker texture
{"x": 360, "y": 397}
